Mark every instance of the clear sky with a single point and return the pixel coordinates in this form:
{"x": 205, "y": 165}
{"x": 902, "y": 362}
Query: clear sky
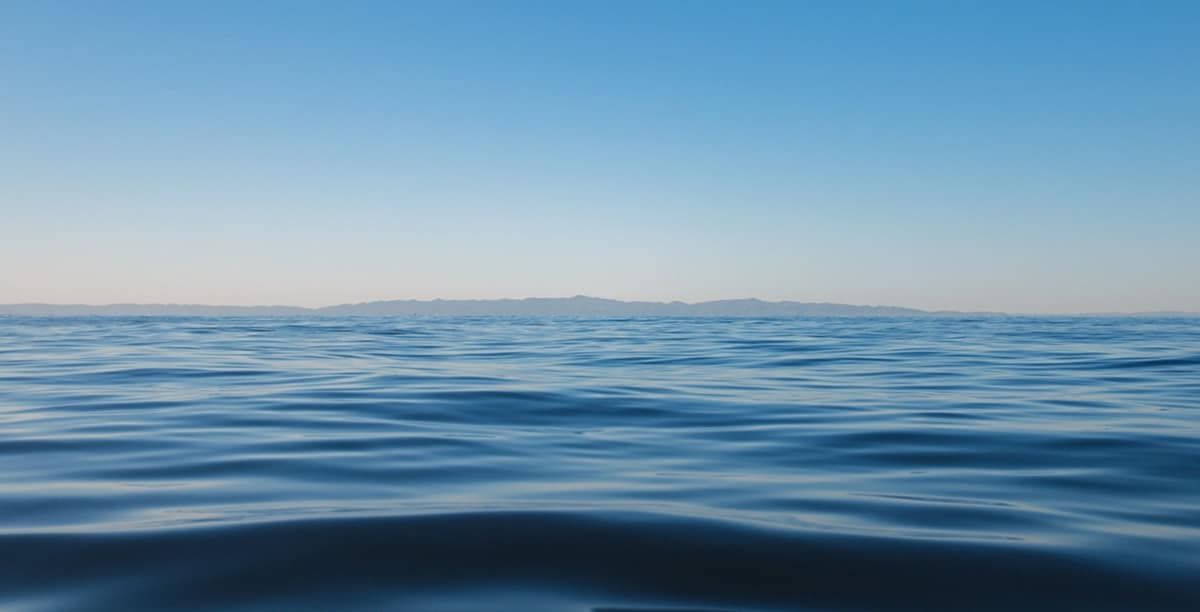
{"x": 1020, "y": 156}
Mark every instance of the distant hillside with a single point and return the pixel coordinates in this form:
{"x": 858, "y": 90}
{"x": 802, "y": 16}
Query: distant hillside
{"x": 577, "y": 306}
{"x": 590, "y": 306}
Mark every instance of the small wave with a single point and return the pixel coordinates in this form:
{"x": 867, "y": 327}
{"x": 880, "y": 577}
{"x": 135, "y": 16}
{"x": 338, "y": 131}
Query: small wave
{"x": 592, "y": 560}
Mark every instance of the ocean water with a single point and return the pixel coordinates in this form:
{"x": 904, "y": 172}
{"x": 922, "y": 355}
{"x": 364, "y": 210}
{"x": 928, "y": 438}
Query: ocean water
{"x": 599, "y": 464}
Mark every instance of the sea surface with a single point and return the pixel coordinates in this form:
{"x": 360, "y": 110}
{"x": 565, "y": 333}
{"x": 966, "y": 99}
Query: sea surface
{"x": 599, "y": 464}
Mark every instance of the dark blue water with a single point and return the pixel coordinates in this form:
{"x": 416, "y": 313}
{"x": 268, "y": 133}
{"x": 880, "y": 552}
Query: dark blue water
{"x": 599, "y": 464}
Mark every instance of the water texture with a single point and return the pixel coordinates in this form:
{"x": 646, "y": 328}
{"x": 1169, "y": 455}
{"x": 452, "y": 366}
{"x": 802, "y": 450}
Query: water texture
{"x": 599, "y": 464}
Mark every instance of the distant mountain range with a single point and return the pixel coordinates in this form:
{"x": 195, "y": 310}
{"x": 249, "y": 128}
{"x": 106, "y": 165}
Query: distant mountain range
{"x": 577, "y": 306}
{"x": 573, "y": 306}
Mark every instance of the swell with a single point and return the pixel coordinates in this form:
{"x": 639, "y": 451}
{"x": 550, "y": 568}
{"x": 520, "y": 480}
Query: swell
{"x": 547, "y": 559}
{"x": 571, "y": 464}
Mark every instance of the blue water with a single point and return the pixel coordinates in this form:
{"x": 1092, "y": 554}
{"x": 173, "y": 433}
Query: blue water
{"x": 599, "y": 464}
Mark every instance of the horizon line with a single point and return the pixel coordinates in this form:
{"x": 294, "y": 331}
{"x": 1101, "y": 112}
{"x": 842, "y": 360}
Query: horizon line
{"x": 748, "y": 300}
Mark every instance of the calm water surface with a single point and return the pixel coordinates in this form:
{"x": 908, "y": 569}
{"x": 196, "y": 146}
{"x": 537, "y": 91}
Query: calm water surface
{"x": 599, "y": 464}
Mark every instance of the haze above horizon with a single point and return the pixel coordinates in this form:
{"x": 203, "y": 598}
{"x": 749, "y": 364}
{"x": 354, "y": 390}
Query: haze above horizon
{"x": 1013, "y": 157}
{"x": 532, "y": 306}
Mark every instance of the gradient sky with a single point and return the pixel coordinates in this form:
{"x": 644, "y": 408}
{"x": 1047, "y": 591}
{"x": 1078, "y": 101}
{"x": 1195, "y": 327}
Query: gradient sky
{"x": 1019, "y": 156}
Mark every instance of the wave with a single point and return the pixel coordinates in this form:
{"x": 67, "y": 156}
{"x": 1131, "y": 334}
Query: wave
{"x": 599, "y": 464}
{"x": 561, "y": 560}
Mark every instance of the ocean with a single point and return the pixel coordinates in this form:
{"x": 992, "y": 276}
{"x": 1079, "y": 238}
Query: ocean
{"x": 552, "y": 463}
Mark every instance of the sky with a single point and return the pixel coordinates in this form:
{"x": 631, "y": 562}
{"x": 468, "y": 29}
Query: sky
{"x": 1012, "y": 156}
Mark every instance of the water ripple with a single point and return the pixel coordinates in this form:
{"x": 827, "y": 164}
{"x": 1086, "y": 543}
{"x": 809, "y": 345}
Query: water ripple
{"x": 599, "y": 464}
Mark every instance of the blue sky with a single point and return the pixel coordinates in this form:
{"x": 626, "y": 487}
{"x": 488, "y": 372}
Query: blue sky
{"x": 1020, "y": 156}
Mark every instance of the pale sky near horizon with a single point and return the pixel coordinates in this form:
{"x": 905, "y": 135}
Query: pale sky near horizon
{"x": 1015, "y": 156}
